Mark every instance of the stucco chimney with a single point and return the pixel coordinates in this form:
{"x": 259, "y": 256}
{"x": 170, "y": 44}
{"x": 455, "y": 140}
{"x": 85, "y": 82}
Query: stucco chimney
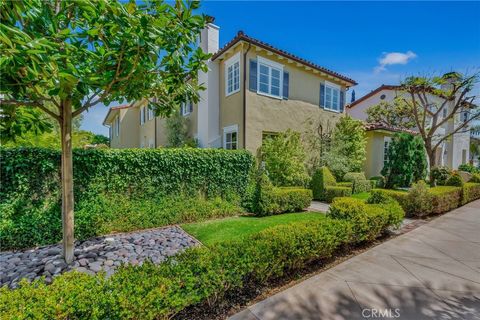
{"x": 209, "y": 37}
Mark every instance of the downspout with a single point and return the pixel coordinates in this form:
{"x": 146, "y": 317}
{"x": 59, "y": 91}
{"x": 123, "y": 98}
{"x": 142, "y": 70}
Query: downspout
{"x": 155, "y": 132}
{"x": 245, "y": 96}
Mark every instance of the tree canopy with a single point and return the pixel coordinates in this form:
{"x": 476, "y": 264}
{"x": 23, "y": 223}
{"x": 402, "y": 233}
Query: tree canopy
{"x": 64, "y": 57}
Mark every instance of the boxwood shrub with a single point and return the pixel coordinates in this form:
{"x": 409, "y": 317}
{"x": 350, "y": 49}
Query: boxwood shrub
{"x": 368, "y": 220}
{"x": 334, "y": 192}
{"x": 322, "y": 178}
{"x": 275, "y": 200}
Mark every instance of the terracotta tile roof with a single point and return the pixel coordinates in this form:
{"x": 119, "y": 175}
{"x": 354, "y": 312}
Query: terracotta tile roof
{"x": 381, "y": 126}
{"x": 243, "y": 37}
{"x": 372, "y": 93}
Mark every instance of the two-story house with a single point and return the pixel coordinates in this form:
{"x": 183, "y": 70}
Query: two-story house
{"x": 452, "y": 152}
{"x": 252, "y": 90}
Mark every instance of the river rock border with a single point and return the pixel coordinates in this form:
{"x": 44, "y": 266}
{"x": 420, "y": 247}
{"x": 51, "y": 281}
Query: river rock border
{"x": 94, "y": 255}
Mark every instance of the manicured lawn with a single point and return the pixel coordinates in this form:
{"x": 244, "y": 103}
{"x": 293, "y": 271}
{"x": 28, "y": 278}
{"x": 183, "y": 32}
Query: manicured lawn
{"x": 209, "y": 232}
{"x": 361, "y": 195}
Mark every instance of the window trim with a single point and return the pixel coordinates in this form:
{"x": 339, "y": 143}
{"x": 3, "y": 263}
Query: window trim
{"x": 386, "y": 140}
{"x": 332, "y": 86}
{"x": 229, "y": 63}
{"x": 183, "y": 108}
{"x": 227, "y": 130}
{"x": 270, "y": 64}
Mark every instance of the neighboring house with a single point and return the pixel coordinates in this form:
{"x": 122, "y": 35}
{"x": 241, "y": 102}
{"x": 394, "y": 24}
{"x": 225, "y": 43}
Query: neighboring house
{"x": 253, "y": 90}
{"x": 452, "y": 153}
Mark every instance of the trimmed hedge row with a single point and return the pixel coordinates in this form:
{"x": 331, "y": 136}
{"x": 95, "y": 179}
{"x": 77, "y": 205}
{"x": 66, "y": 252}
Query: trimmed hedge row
{"x": 369, "y": 220}
{"x": 322, "y": 178}
{"x": 200, "y": 276}
{"x": 36, "y": 171}
{"x": 337, "y": 191}
{"x": 275, "y": 200}
{"x": 434, "y": 200}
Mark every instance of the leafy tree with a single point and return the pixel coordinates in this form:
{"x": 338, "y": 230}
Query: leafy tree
{"x": 407, "y": 162}
{"x": 99, "y": 139}
{"x": 419, "y": 107}
{"x": 64, "y": 57}
{"x": 347, "y": 152}
{"x": 284, "y": 159}
{"x": 177, "y": 131}
{"x": 317, "y": 140}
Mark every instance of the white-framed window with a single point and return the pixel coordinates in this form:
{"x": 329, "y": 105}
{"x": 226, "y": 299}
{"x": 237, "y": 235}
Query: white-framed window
{"x": 117, "y": 126}
{"x": 230, "y": 137}
{"x": 186, "y": 108}
{"x": 332, "y": 97}
{"x": 232, "y": 75}
{"x": 386, "y": 146}
{"x": 269, "y": 78}
{"x": 150, "y": 114}
{"x": 143, "y": 115}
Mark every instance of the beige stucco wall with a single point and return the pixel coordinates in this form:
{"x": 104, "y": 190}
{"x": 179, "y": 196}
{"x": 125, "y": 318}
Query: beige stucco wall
{"x": 128, "y": 135}
{"x": 231, "y": 107}
{"x": 375, "y": 152}
{"x": 266, "y": 114}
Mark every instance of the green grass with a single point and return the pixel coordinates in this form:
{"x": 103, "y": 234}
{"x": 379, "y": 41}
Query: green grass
{"x": 361, "y": 195}
{"x": 210, "y": 232}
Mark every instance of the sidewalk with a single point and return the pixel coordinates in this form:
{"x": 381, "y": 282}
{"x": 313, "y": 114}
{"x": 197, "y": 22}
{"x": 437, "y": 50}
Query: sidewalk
{"x": 432, "y": 272}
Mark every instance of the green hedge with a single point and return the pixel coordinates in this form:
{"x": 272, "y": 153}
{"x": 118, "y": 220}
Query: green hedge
{"x": 434, "y": 200}
{"x": 369, "y": 220}
{"x": 199, "y": 277}
{"x": 116, "y": 190}
{"x": 36, "y": 171}
{"x": 471, "y": 192}
{"x": 359, "y": 182}
{"x": 334, "y": 192}
{"x": 321, "y": 179}
{"x": 23, "y": 226}
{"x": 276, "y": 200}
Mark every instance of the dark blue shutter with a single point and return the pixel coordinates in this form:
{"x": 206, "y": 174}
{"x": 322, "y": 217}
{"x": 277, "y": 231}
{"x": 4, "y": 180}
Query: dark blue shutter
{"x": 322, "y": 95}
{"x": 252, "y": 79}
{"x": 342, "y": 100}
{"x": 285, "y": 84}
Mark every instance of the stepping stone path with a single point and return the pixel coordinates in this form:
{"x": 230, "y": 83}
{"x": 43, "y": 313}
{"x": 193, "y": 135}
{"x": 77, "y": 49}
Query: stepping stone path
{"x": 94, "y": 255}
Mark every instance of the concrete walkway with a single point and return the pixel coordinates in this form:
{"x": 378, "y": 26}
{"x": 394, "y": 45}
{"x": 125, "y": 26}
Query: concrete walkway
{"x": 318, "y": 206}
{"x": 432, "y": 272}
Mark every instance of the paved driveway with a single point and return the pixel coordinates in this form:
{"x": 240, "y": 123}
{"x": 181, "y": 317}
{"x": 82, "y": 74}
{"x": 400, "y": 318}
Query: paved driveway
{"x": 432, "y": 272}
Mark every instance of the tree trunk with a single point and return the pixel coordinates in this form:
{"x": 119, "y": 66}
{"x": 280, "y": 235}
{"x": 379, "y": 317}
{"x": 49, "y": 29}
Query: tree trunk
{"x": 67, "y": 181}
{"x": 431, "y": 161}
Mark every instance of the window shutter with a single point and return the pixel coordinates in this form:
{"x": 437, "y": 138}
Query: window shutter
{"x": 252, "y": 79}
{"x": 342, "y": 100}
{"x": 322, "y": 95}
{"x": 286, "y": 78}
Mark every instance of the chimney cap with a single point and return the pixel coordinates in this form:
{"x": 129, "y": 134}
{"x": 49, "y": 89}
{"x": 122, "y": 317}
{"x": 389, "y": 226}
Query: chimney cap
{"x": 209, "y": 19}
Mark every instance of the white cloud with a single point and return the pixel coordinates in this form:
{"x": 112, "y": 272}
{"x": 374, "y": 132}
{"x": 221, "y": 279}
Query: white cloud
{"x": 391, "y": 58}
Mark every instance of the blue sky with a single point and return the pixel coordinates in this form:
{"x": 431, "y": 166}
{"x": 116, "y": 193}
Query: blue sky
{"x": 372, "y": 42}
